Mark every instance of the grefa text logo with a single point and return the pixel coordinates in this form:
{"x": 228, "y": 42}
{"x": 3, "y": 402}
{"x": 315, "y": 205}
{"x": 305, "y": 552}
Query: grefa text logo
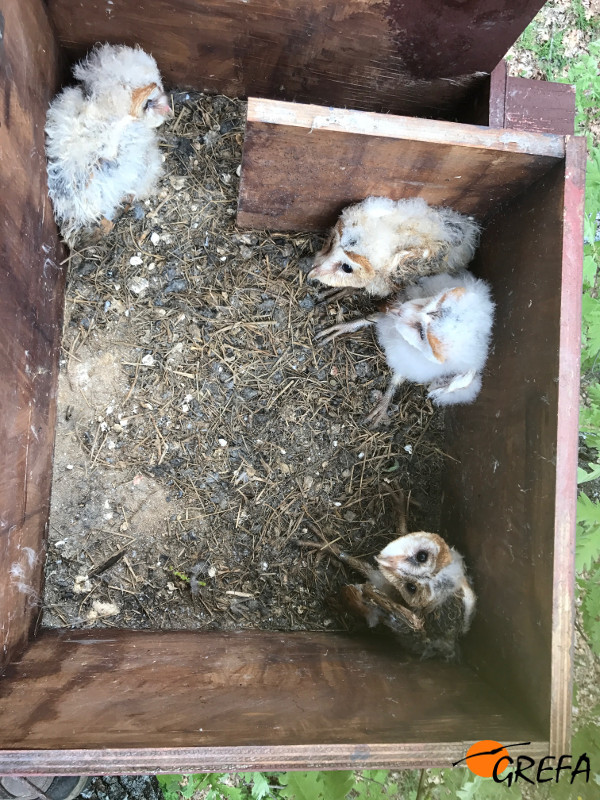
{"x": 489, "y": 759}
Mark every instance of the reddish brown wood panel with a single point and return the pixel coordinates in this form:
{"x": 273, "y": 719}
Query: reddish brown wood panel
{"x": 567, "y": 446}
{"x": 126, "y": 690}
{"x": 303, "y": 163}
{"x": 185, "y": 760}
{"x": 510, "y": 501}
{"x": 539, "y": 106}
{"x": 497, "y": 100}
{"x": 31, "y": 283}
{"x": 394, "y": 56}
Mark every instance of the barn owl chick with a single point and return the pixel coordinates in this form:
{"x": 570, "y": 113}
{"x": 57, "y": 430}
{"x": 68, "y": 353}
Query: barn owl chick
{"x": 101, "y": 141}
{"x": 380, "y": 244}
{"x": 427, "y": 573}
{"x": 432, "y": 633}
{"x": 436, "y": 332}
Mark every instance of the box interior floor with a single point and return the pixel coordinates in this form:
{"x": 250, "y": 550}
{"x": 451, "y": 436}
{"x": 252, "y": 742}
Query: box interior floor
{"x": 136, "y": 701}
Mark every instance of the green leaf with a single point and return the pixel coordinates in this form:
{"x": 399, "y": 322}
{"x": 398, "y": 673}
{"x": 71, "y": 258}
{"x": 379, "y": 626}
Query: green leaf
{"x": 301, "y": 786}
{"x": 174, "y": 787}
{"x": 231, "y": 792}
{"x": 590, "y": 269}
{"x": 260, "y": 786}
{"x": 372, "y": 785}
{"x": 336, "y": 785}
{"x": 587, "y": 546}
{"x": 583, "y": 476}
{"x": 590, "y": 607}
{"x": 169, "y": 785}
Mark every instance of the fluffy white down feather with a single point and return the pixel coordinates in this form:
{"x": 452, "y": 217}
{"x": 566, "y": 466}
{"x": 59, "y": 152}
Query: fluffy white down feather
{"x": 463, "y": 329}
{"x": 98, "y": 154}
{"x": 383, "y": 225}
{"x": 110, "y": 65}
{"x": 379, "y": 244}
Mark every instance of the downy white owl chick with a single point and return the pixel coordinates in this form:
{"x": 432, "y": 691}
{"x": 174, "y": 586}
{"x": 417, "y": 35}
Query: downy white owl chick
{"x": 101, "y": 141}
{"x": 427, "y": 573}
{"x": 436, "y": 332}
{"x": 380, "y": 244}
{"x": 418, "y": 569}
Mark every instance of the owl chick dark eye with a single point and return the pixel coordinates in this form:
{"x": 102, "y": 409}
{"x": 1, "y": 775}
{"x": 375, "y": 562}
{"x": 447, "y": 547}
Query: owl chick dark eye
{"x": 347, "y": 268}
{"x": 148, "y": 104}
{"x": 422, "y": 556}
{"x": 420, "y": 330}
{"x": 411, "y": 588}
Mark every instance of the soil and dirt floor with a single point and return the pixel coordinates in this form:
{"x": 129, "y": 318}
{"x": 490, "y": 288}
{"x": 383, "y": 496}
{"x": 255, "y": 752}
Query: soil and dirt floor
{"x": 199, "y": 423}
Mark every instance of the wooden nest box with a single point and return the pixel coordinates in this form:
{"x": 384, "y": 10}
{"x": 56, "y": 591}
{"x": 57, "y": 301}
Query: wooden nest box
{"x": 123, "y": 701}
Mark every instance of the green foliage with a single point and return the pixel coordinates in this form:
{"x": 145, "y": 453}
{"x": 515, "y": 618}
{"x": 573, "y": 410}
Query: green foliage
{"x": 340, "y": 785}
{"x": 446, "y": 784}
{"x": 174, "y": 787}
{"x": 219, "y": 785}
{"x": 316, "y": 785}
{"x": 375, "y": 785}
{"x": 285, "y": 786}
{"x": 589, "y": 591}
{"x": 583, "y": 74}
{"x": 259, "y": 785}
{"x": 587, "y": 550}
{"x": 181, "y": 575}
{"x": 591, "y": 332}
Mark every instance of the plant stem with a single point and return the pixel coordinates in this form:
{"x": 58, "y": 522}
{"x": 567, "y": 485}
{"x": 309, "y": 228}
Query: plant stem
{"x": 421, "y": 786}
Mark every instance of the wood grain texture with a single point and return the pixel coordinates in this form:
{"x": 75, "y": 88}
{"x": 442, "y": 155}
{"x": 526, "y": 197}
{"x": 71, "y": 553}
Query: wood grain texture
{"x": 539, "y": 106}
{"x": 567, "y": 446}
{"x": 516, "y": 448}
{"x": 303, "y": 163}
{"x": 422, "y": 59}
{"x": 185, "y": 760}
{"x": 30, "y": 314}
{"x": 130, "y": 690}
{"x": 497, "y": 98}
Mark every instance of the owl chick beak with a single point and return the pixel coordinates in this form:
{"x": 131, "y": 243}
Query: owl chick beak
{"x": 317, "y": 272}
{"x": 162, "y": 106}
{"x": 392, "y": 563}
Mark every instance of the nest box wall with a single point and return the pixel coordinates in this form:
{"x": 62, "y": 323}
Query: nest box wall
{"x": 30, "y": 313}
{"x": 283, "y": 700}
{"x": 416, "y": 57}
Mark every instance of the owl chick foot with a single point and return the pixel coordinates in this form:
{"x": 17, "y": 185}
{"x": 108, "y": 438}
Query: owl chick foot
{"x": 329, "y": 334}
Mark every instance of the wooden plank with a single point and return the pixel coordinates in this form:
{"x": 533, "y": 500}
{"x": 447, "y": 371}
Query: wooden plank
{"x": 539, "y": 106}
{"x": 330, "y": 696}
{"x": 414, "y": 58}
{"x": 303, "y": 163}
{"x": 510, "y": 502}
{"x": 30, "y": 314}
{"x": 567, "y": 447}
{"x": 497, "y": 101}
{"x": 186, "y": 760}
